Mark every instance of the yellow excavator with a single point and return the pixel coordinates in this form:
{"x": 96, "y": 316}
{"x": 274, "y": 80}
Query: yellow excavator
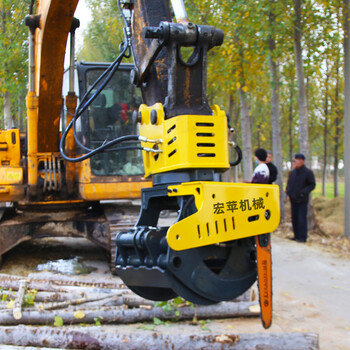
{"x": 219, "y": 244}
{"x": 50, "y": 196}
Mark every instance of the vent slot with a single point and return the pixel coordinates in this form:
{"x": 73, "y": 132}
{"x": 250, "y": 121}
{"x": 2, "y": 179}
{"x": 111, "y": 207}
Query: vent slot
{"x": 233, "y": 223}
{"x": 205, "y": 124}
{"x": 253, "y": 218}
{"x": 3, "y": 146}
{"x": 205, "y": 134}
{"x": 199, "y": 232}
{"x": 171, "y": 129}
{"x": 206, "y": 155}
{"x": 172, "y": 153}
{"x": 205, "y": 144}
{"x": 171, "y": 141}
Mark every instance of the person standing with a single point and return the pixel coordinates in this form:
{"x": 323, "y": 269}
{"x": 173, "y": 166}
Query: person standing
{"x": 261, "y": 172}
{"x": 300, "y": 183}
{"x": 272, "y": 168}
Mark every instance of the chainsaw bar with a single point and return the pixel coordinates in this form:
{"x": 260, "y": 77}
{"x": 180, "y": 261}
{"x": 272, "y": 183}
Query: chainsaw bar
{"x": 264, "y": 268}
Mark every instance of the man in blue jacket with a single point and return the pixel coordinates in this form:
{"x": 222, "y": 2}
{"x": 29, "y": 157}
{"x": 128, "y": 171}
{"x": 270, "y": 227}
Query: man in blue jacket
{"x": 300, "y": 183}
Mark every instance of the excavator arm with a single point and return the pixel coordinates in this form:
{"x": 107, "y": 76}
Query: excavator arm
{"x": 54, "y": 21}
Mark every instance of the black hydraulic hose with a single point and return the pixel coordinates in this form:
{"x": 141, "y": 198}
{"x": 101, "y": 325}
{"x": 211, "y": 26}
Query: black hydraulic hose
{"x": 31, "y": 7}
{"x": 239, "y": 156}
{"x": 101, "y": 148}
{"x": 105, "y": 77}
{"x": 83, "y": 106}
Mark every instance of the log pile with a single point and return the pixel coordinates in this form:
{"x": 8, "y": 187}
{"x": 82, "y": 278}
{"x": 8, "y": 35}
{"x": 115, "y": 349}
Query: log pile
{"x": 76, "y": 302}
{"x": 82, "y": 306}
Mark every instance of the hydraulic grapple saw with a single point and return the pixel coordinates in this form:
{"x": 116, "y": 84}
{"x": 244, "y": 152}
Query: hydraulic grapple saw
{"x": 219, "y": 242}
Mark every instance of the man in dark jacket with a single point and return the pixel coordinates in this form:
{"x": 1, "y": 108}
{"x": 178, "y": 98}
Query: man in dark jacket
{"x": 272, "y": 168}
{"x": 300, "y": 183}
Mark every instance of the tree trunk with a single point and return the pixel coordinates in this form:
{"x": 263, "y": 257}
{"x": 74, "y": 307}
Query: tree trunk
{"x": 109, "y": 338}
{"x": 56, "y": 283}
{"x": 302, "y": 100}
{"x": 325, "y": 136}
{"x": 123, "y": 316}
{"x": 275, "y": 112}
{"x": 20, "y": 113}
{"x": 290, "y": 127}
{"x": 337, "y": 125}
{"x": 347, "y": 116}
{"x": 8, "y": 122}
{"x": 246, "y": 137}
{"x": 17, "y": 309}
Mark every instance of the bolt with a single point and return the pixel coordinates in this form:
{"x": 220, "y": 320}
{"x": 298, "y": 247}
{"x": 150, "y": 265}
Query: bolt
{"x": 154, "y": 116}
{"x": 136, "y": 117}
{"x": 134, "y": 76}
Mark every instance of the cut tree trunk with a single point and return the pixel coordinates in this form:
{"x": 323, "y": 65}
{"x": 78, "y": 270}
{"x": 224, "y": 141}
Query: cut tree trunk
{"x": 116, "y": 315}
{"x": 17, "y": 309}
{"x": 54, "y": 284}
{"x": 106, "y": 338}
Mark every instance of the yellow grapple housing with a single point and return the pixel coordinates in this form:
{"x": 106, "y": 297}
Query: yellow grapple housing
{"x": 188, "y": 141}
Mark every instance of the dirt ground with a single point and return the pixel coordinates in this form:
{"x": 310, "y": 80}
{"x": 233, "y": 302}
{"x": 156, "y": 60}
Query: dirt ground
{"x": 311, "y": 282}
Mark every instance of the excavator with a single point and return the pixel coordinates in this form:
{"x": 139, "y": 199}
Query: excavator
{"x": 49, "y": 196}
{"x": 219, "y": 244}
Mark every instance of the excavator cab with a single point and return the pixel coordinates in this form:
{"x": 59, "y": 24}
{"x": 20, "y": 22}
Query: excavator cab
{"x": 108, "y": 117}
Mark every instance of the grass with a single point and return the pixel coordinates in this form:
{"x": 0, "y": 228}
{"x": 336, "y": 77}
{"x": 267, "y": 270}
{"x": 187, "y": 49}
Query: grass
{"x": 317, "y": 192}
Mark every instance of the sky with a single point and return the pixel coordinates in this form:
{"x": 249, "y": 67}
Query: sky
{"x": 83, "y": 13}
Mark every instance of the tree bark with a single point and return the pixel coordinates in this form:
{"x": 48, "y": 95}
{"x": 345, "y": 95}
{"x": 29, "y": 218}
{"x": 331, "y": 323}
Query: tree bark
{"x": 246, "y": 137}
{"x": 290, "y": 127}
{"x": 337, "y": 131}
{"x": 17, "y": 309}
{"x": 109, "y": 339}
{"x": 325, "y": 135}
{"x": 347, "y": 116}
{"x": 302, "y": 100}
{"x": 234, "y": 115}
{"x": 121, "y": 316}
{"x": 20, "y": 113}
{"x": 275, "y": 110}
{"x": 55, "y": 284}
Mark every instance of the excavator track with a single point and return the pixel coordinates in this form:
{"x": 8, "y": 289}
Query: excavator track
{"x": 123, "y": 218}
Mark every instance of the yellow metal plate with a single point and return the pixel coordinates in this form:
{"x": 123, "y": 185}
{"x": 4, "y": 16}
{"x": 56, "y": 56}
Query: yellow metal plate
{"x": 11, "y": 175}
{"x": 226, "y": 211}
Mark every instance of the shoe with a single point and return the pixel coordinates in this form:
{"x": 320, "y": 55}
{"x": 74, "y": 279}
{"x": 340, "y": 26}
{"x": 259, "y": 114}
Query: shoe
{"x": 292, "y": 238}
{"x": 301, "y": 240}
